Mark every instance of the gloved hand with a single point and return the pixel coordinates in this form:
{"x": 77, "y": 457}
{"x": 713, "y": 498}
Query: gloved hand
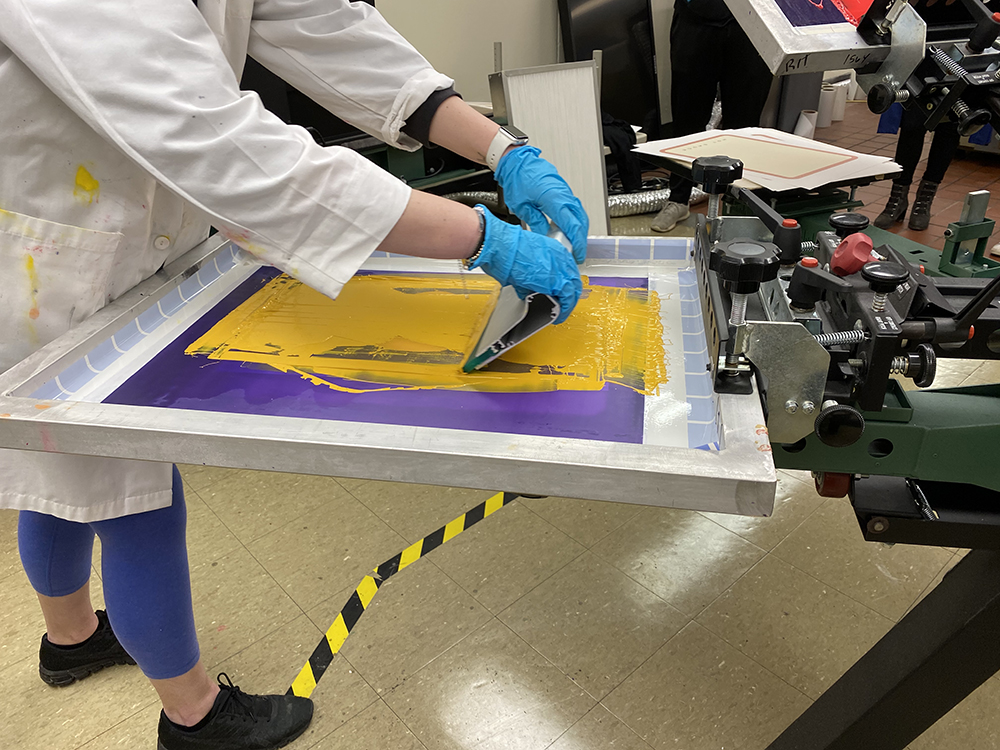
{"x": 530, "y": 262}
{"x": 533, "y": 189}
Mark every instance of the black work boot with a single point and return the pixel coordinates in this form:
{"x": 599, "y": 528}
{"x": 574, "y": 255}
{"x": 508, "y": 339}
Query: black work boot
{"x": 239, "y": 721}
{"x": 895, "y": 209}
{"x": 920, "y": 216}
{"x": 64, "y": 665}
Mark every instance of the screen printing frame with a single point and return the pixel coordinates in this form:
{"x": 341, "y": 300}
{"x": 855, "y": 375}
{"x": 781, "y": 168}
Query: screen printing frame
{"x": 789, "y": 49}
{"x": 738, "y": 478}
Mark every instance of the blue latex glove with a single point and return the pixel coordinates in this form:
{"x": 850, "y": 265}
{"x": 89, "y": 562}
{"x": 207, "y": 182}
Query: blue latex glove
{"x": 533, "y": 189}
{"x": 530, "y": 262}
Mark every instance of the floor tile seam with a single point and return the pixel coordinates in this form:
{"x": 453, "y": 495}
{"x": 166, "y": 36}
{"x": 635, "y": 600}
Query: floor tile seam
{"x": 578, "y": 541}
{"x": 830, "y": 585}
{"x": 116, "y": 724}
{"x": 620, "y": 721}
{"x": 401, "y": 721}
{"x": 712, "y": 632}
{"x": 282, "y": 588}
{"x": 539, "y": 583}
{"x": 647, "y": 588}
{"x": 595, "y": 698}
{"x": 792, "y": 531}
{"x": 764, "y": 667}
{"x": 375, "y": 513}
{"x": 394, "y": 688}
{"x": 357, "y": 713}
{"x": 319, "y": 634}
{"x": 402, "y": 539}
{"x": 927, "y": 589}
{"x": 389, "y": 690}
{"x": 288, "y": 521}
{"x": 224, "y": 525}
{"x": 430, "y": 556}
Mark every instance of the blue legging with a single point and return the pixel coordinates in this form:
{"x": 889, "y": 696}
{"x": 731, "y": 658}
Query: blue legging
{"x": 144, "y": 567}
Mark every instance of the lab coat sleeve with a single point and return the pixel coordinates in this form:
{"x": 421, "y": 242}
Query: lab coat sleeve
{"x": 345, "y": 56}
{"x": 150, "y": 77}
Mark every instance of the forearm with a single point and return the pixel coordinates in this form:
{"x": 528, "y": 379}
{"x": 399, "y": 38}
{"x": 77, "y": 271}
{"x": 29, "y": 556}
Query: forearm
{"x": 459, "y": 128}
{"x": 434, "y": 227}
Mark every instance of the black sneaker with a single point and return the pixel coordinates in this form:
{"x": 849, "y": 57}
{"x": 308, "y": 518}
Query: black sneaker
{"x": 64, "y": 665}
{"x": 239, "y": 721}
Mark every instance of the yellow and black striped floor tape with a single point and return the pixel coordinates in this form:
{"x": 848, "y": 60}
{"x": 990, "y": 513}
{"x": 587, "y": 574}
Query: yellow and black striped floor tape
{"x": 322, "y": 655}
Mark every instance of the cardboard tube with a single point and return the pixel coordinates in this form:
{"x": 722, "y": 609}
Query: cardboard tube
{"x": 806, "y": 125}
{"x": 825, "y": 111}
{"x": 839, "y": 101}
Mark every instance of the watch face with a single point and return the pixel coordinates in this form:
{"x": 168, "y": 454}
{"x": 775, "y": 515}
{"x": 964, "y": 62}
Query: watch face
{"x": 517, "y": 135}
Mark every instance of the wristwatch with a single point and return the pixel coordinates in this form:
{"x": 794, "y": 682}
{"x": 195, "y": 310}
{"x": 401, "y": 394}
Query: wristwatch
{"x": 507, "y": 136}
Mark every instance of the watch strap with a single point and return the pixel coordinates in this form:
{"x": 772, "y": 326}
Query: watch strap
{"x": 499, "y": 145}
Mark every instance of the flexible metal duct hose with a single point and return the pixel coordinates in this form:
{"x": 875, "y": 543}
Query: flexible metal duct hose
{"x": 630, "y": 204}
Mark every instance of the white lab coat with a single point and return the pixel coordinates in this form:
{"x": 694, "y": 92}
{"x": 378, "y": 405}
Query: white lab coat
{"x": 123, "y": 135}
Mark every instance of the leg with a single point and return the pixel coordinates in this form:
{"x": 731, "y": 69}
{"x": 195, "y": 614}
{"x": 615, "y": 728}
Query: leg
{"x": 693, "y": 81}
{"x": 746, "y": 81}
{"x": 148, "y": 590}
{"x": 944, "y": 144}
{"x": 56, "y": 555}
{"x": 909, "y": 146}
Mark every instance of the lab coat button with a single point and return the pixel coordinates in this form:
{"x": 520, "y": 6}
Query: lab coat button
{"x": 162, "y": 242}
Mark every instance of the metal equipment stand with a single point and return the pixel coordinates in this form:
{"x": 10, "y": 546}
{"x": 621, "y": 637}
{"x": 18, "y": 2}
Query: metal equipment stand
{"x": 944, "y": 649}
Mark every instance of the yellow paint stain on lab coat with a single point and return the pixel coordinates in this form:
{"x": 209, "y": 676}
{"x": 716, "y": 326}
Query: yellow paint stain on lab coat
{"x": 87, "y": 189}
{"x": 33, "y": 311}
{"x": 414, "y": 332}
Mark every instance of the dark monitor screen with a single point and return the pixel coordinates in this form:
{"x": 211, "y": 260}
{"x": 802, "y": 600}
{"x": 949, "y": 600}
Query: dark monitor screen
{"x": 623, "y": 30}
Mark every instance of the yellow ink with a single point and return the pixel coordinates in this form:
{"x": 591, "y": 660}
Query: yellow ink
{"x": 414, "y": 331}
{"x": 33, "y": 311}
{"x": 87, "y": 189}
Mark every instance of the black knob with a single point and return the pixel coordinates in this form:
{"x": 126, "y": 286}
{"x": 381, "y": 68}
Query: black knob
{"x": 744, "y": 264}
{"x": 922, "y": 366}
{"x": 839, "y": 426}
{"x": 884, "y": 276}
{"x": 972, "y": 121}
{"x": 847, "y": 224}
{"x": 716, "y": 173}
{"x": 881, "y": 96}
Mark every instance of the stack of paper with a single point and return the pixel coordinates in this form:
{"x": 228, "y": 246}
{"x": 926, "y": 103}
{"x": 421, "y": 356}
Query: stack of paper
{"x": 773, "y": 159}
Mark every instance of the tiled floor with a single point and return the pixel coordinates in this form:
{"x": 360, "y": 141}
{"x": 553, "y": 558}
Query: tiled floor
{"x": 970, "y": 170}
{"x": 555, "y": 623}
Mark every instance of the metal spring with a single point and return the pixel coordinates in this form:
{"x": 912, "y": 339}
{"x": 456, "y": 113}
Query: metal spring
{"x": 946, "y": 62}
{"x": 899, "y": 366}
{"x": 809, "y": 247}
{"x": 841, "y": 337}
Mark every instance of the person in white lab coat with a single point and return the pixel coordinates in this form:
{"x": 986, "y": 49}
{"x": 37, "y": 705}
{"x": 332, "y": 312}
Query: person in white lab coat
{"x": 125, "y": 136}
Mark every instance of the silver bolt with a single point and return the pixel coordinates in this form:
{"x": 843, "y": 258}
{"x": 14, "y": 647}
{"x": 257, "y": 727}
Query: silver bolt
{"x": 791, "y": 406}
{"x": 738, "y": 313}
{"x": 855, "y": 362}
{"x": 713, "y": 207}
{"x": 808, "y": 407}
{"x": 878, "y": 302}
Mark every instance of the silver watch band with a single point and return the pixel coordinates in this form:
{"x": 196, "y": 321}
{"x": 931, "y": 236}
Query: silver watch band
{"x": 507, "y": 136}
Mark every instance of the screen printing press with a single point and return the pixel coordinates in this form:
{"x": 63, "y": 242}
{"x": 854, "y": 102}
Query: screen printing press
{"x": 173, "y": 371}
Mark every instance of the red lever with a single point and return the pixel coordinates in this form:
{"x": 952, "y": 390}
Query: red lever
{"x": 852, "y": 253}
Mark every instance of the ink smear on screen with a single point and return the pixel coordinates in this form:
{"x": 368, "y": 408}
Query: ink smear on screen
{"x": 819, "y": 12}
{"x": 412, "y": 332}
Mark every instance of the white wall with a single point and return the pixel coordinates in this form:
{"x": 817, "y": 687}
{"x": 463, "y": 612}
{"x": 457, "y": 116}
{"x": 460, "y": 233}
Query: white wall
{"x": 457, "y": 36}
